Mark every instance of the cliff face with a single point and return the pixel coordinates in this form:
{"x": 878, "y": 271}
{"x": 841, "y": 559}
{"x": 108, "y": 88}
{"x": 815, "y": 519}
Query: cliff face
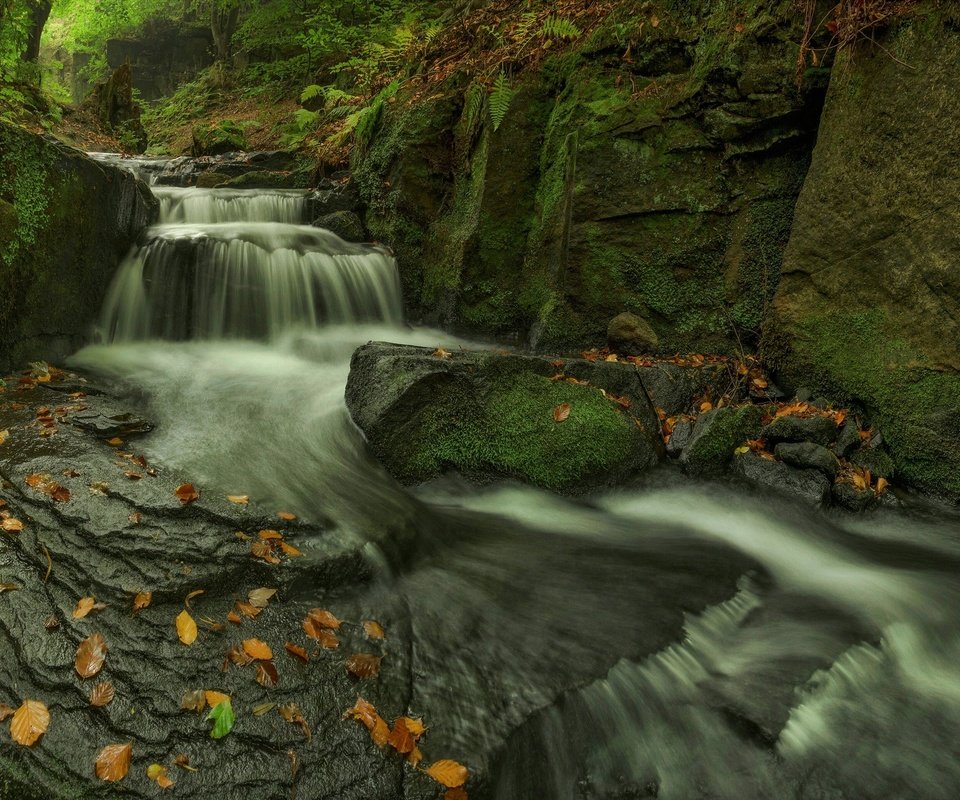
{"x": 659, "y": 180}
{"x": 869, "y": 302}
{"x": 65, "y": 223}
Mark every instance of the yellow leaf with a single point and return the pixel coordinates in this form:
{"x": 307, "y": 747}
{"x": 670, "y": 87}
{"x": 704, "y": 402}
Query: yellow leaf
{"x": 142, "y": 600}
{"x": 742, "y": 450}
{"x": 186, "y": 628}
{"x": 113, "y": 763}
{"x": 215, "y": 698}
{"x": 239, "y": 499}
{"x": 373, "y": 629}
{"x": 441, "y": 353}
{"x": 83, "y": 607}
{"x": 257, "y": 649}
{"x": 29, "y": 722}
{"x": 286, "y": 516}
{"x": 448, "y": 773}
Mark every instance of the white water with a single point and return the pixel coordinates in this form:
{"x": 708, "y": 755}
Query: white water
{"x": 833, "y": 673}
{"x": 230, "y": 205}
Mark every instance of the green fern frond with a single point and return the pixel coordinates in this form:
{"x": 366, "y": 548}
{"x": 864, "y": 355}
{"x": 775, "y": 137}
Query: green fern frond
{"x": 304, "y": 120}
{"x": 555, "y": 27}
{"x": 500, "y": 99}
{"x": 473, "y": 106}
{"x": 312, "y": 91}
{"x": 525, "y": 27}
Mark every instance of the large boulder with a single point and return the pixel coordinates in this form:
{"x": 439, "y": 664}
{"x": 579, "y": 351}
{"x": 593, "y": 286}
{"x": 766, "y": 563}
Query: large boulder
{"x": 868, "y": 308}
{"x": 117, "y": 110}
{"x": 631, "y": 335}
{"x": 66, "y": 222}
{"x": 574, "y": 427}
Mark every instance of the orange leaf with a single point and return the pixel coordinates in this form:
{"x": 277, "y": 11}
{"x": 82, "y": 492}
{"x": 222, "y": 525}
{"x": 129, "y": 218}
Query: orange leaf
{"x": 269, "y": 534}
{"x": 400, "y": 738}
{"x": 286, "y": 516}
{"x": 414, "y": 757}
{"x": 297, "y": 651}
{"x": 116, "y": 441}
{"x": 234, "y": 617}
{"x": 415, "y": 726}
{"x": 141, "y": 601}
{"x": 102, "y": 694}
{"x": 12, "y": 525}
{"x": 239, "y": 499}
{"x": 290, "y": 550}
{"x": 561, "y": 412}
{"x": 705, "y": 406}
{"x": 321, "y": 618}
{"x": 882, "y": 484}
{"x": 364, "y": 665}
{"x": 265, "y": 551}
{"x": 158, "y": 774}
{"x": 113, "y": 762}
{"x": 257, "y": 649}
{"x": 29, "y": 722}
{"x": 83, "y": 607}
{"x": 441, "y": 353}
{"x": 448, "y": 773}
{"x": 247, "y": 609}
{"x": 373, "y": 629}
{"x": 187, "y": 493}
{"x": 380, "y": 732}
{"x": 90, "y": 656}
{"x": 186, "y": 628}
{"x": 364, "y": 712}
{"x": 214, "y": 698}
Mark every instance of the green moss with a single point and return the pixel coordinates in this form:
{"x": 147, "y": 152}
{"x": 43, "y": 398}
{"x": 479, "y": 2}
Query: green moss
{"x": 224, "y": 137}
{"x": 512, "y": 432}
{"x": 718, "y": 434}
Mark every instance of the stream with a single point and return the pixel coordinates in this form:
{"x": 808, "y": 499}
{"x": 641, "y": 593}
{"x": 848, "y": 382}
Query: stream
{"x": 681, "y": 641}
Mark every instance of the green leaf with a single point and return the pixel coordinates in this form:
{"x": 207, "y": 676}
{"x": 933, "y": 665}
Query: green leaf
{"x": 500, "y": 99}
{"x": 223, "y": 719}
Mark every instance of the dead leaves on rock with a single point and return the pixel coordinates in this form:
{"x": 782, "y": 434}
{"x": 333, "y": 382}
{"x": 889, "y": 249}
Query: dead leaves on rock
{"x": 186, "y": 628}
{"x": 363, "y": 665}
{"x": 29, "y": 722}
{"x": 11, "y": 525}
{"x": 373, "y": 629}
{"x": 257, "y": 650}
{"x": 44, "y": 484}
{"x": 158, "y": 774}
{"x": 102, "y": 694}
{"x": 187, "y": 493}
{"x": 141, "y": 601}
{"x": 90, "y": 656}
{"x": 85, "y": 605}
{"x": 448, "y": 773}
{"x": 259, "y": 598}
{"x": 113, "y": 762}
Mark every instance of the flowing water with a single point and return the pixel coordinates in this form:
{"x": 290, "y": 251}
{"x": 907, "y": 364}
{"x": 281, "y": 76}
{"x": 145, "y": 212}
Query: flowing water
{"x": 682, "y": 641}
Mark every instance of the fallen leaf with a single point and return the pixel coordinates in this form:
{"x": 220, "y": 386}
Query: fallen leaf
{"x": 363, "y": 665}
{"x": 297, "y": 652}
{"x": 238, "y": 656}
{"x": 269, "y": 534}
{"x": 182, "y": 760}
{"x": 3, "y": 436}
{"x": 36, "y": 479}
{"x": 263, "y": 550}
{"x": 191, "y": 595}
{"x": 193, "y": 700}
{"x": 364, "y": 712}
{"x": 415, "y": 726}
{"x": 561, "y": 412}
{"x": 655, "y": 21}
{"x": 705, "y": 406}
{"x": 400, "y": 738}
{"x": 51, "y": 623}
{"x": 373, "y": 629}
{"x": 321, "y": 618}
{"x": 158, "y": 774}
{"x": 289, "y": 549}
{"x": 239, "y": 499}
{"x": 29, "y": 722}
{"x": 141, "y": 600}
{"x": 260, "y": 597}
{"x": 186, "y": 493}
{"x": 134, "y": 476}
{"x": 414, "y": 757}
{"x": 882, "y": 484}
{"x": 8, "y": 586}
{"x": 448, "y": 773}
{"x": 742, "y": 450}
{"x": 263, "y": 708}
{"x": 186, "y": 628}
{"x": 326, "y": 639}
{"x": 135, "y": 517}
{"x": 83, "y": 607}
{"x": 12, "y": 525}
{"x": 215, "y": 698}
{"x": 113, "y": 762}
{"x": 257, "y": 649}
{"x": 116, "y": 441}
{"x": 286, "y": 516}
{"x": 441, "y": 353}
{"x": 291, "y": 713}
{"x": 99, "y": 487}
{"x": 71, "y": 473}
{"x": 234, "y": 617}
{"x": 6, "y": 712}
{"x": 455, "y": 794}
{"x": 267, "y": 675}
{"x": 102, "y": 694}
{"x": 90, "y": 656}
{"x": 247, "y": 609}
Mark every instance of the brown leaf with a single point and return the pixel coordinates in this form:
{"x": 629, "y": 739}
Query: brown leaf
{"x": 286, "y": 516}
{"x": 317, "y": 619}
{"x": 267, "y": 675}
{"x": 448, "y": 773}
{"x": 36, "y": 479}
{"x": 247, "y": 609}
{"x": 260, "y": 597}
{"x": 326, "y": 639}
{"x": 292, "y": 714}
{"x": 186, "y": 628}
{"x": 113, "y": 762}
{"x": 364, "y": 665}
{"x": 158, "y": 774}
{"x": 141, "y": 601}
{"x": 239, "y": 656}
{"x": 7, "y": 586}
{"x": 29, "y": 722}
{"x": 83, "y": 607}
{"x": 59, "y": 493}
{"x": 101, "y": 694}
{"x": 191, "y": 595}
{"x": 373, "y": 629}
{"x": 90, "y": 656}
{"x": 561, "y": 412}
{"x": 135, "y": 517}
{"x": 239, "y": 499}
{"x": 262, "y": 549}
{"x": 12, "y": 525}
{"x": 183, "y": 761}
{"x": 187, "y": 493}
{"x": 51, "y": 623}
{"x": 297, "y": 652}
{"x": 455, "y": 794}
{"x": 289, "y": 549}
{"x": 193, "y": 700}
{"x": 400, "y": 738}
{"x": 215, "y": 698}
{"x": 132, "y": 475}
{"x": 116, "y": 441}
{"x": 257, "y": 649}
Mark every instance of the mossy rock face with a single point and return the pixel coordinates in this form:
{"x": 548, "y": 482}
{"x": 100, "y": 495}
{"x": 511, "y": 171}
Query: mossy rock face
{"x": 716, "y": 435}
{"x": 66, "y": 222}
{"x": 213, "y": 140}
{"x": 262, "y": 179}
{"x": 868, "y": 308}
{"x": 492, "y": 416}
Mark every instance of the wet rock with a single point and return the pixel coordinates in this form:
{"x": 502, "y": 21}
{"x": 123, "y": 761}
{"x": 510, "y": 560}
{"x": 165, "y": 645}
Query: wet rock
{"x": 807, "y": 455}
{"x": 848, "y": 496}
{"x": 877, "y": 461}
{"x": 792, "y": 428}
{"x": 253, "y": 170}
{"x": 673, "y": 388}
{"x": 335, "y": 194}
{"x": 807, "y": 484}
{"x": 346, "y": 224}
{"x": 492, "y": 416}
{"x": 631, "y": 335}
{"x": 848, "y": 439}
{"x": 680, "y": 438}
{"x": 715, "y": 436}
{"x": 209, "y": 180}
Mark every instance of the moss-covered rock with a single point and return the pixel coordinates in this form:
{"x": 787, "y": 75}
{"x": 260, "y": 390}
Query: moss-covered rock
{"x": 716, "y": 435}
{"x": 225, "y": 136}
{"x": 868, "y": 309}
{"x": 66, "y": 221}
{"x": 491, "y": 416}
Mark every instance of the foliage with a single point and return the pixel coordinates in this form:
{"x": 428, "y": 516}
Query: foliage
{"x": 500, "y": 100}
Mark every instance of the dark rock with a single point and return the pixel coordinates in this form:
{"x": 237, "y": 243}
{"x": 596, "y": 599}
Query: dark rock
{"x": 848, "y": 496}
{"x": 877, "y": 461}
{"x": 263, "y": 179}
{"x": 224, "y": 137}
{"x": 54, "y": 278}
{"x": 209, "y": 180}
{"x": 631, "y": 335}
{"x": 680, "y": 438}
{"x": 492, "y": 416}
{"x": 347, "y": 225}
{"x": 255, "y": 170}
{"x": 808, "y": 484}
{"x": 791, "y": 428}
{"x": 848, "y": 439}
{"x": 673, "y": 388}
{"x": 112, "y": 101}
{"x": 332, "y": 196}
{"x": 803, "y": 395}
{"x": 716, "y": 435}
{"x": 807, "y": 455}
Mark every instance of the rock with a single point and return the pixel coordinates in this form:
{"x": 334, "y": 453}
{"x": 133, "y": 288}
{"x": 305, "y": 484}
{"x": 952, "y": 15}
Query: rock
{"x": 263, "y": 179}
{"x": 491, "y": 416}
{"x": 803, "y": 395}
{"x": 673, "y": 388}
{"x": 807, "y": 455}
{"x": 631, "y": 335}
{"x": 792, "y": 428}
{"x": 254, "y": 170}
{"x": 53, "y": 278}
{"x": 224, "y": 137}
{"x": 112, "y": 101}
{"x": 848, "y": 439}
{"x": 848, "y": 496}
{"x": 807, "y": 484}
{"x": 715, "y": 436}
{"x": 347, "y": 225}
{"x": 331, "y": 196}
{"x": 680, "y": 438}
{"x": 877, "y": 461}
{"x": 209, "y": 180}
{"x": 868, "y": 306}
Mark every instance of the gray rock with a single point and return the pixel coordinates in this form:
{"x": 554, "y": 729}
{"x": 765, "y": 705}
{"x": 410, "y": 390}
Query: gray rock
{"x": 848, "y": 496}
{"x": 673, "y": 388}
{"x": 791, "y": 428}
{"x": 848, "y": 439}
{"x": 680, "y": 438}
{"x": 803, "y": 395}
{"x": 631, "y": 335}
{"x": 716, "y": 434}
{"x": 807, "y": 455}
{"x": 807, "y": 484}
{"x": 346, "y": 224}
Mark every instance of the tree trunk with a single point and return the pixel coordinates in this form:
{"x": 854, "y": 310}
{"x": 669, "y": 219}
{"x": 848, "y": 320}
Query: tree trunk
{"x": 223, "y": 24}
{"x": 39, "y": 12}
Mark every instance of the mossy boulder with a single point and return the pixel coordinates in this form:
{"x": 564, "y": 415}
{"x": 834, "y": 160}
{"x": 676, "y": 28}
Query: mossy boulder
{"x": 66, "y": 222}
{"x": 225, "y": 136}
{"x": 868, "y": 308}
{"x": 716, "y": 435}
{"x": 492, "y": 416}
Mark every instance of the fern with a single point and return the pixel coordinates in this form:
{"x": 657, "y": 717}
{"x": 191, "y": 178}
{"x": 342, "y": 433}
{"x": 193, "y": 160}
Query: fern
{"x": 312, "y": 91}
{"x": 525, "y": 27}
{"x": 555, "y": 27}
{"x": 500, "y": 99}
{"x": 473, "y": 106}
{"x": 304, "y": 120}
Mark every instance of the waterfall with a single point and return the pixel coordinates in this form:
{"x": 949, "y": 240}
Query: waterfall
{"x": 233, "y": 263}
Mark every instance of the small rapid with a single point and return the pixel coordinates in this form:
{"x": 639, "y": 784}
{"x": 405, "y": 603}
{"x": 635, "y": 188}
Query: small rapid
{"x": 680, "y": 641}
